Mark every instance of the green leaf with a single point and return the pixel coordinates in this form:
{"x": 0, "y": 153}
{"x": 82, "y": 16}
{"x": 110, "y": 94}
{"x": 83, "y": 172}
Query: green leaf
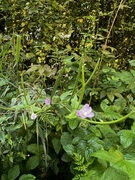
{"x": 65, "y": 95}
{"x": 126, "y": 138}
{"x": 56, "y": 144}
{"x": 33, "y": 148}
{"x": 70, "y": 149}
{"x": 2, "y": 136}
{"x": 112, "y": 173}
{"x": 66, "y": 158}
{"x": 3, "y": 82}
{"x": 106, "y": 130}
{"x": 33, "y": 162}
{"x": 74, "y": 102}
{"x": 110, "y": 96}
{"x": 132, "y": 62}
{"x": 27, "y": 177}
{"x": 4, "y": 177}
{"x": 14, "y": 172}
{"x": 72, "y": 115}
{"x": 127, "y": 166}
{"x": 67, "y": 60}
{"x": 66, "y": 139}
{"x": 73, "y": 123}
{"x": 111, "y": 156}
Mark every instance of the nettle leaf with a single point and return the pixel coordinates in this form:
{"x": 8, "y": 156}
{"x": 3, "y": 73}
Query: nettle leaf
{"x": 106, "y": 130}
{"x": 14, "y": 172}
{"x": 126, "y": 77}
{"x": 72, "y": 120}
{"x": 127, "y": 166}
{"x": 66, "y": 158}
{"x": 4, "y": 177}
{"x": 33, "y": 148}
{"x": 132, "y": 62}
{"x": 56, "y": 144}
{"x": 66, "y": 138}
{"x": 70, "y": 149}
{"x": 111, "y": 156}
{"x": 104, "y": 104}
{"x": 126, "y": 137}
{"x": 27, "y": 177}
{"x": 73, "y": 123}
{"x": 74, "y": 102}
{"x": 65, "y": 95}
{"x": 112, "y": 173}
{"x": 2, "y": 137}
{"x": 110, "y": 96}
{"x": 32, "y": 162}
{"x": 66, "y": 141}
{"x": 72, "y": 115}
{"x": 68, "y": 60}
{"x": 3, "y": 82}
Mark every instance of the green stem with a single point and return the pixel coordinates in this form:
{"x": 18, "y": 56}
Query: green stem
{"x": 24, "y": 92}
{"x": 94, "y": 71}
{"x": 83, "y": 86}
{"x": 57, "y": 82}
{"x": 110, "y": 122}
{"x": 77, "y": 78}
{"x": 18, "y": 48}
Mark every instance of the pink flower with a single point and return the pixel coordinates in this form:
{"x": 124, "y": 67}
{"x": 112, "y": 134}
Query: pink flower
{"x": 33, "y": 116}
{"x": 85, "y": 112}
{"x": 47, "y": 101}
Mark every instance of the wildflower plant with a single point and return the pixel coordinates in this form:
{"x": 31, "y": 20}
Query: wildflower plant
{"x": 74, "y": 124}
{"x": 85, "y": 112}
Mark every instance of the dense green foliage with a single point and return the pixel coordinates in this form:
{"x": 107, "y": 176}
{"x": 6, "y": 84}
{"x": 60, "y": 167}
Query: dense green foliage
{"x": 74, "y": 53}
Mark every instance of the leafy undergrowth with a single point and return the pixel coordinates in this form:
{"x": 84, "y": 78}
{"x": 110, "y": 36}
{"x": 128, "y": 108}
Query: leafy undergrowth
{"x": 55, "y": 133}
{"x": 65, "y": 112}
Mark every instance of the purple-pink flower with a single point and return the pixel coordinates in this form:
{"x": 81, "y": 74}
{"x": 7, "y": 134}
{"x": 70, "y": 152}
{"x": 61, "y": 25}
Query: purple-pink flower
{"x": 47, "y": 101}
{"x": 85, "y": 112}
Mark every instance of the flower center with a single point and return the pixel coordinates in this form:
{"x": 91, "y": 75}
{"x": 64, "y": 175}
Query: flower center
{"x": 85, "y": 113}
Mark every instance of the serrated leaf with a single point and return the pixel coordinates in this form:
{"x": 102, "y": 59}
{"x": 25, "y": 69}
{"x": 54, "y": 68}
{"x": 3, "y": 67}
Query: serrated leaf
{"x": 66, "y": 138}
{"x": 3, "y": 82}
{"x": 27, "y": 177}
{"x": 65, "y": 95}
{"x": 110, "y": 96}
{"x": 67, "y": 60}
{"x": 66, "y": 158}
{"x": 73, "y": 123}
{"x": 111, "y": 156}
{"x": 14, "y": 172}
{"x": 2, "y": 136}
{"x": 74, "y": 102}
{"x": 4, "y": 177}
{"x": 66, "y": 141}
{"x": 126, "y": 138}
{"x": 56, "y": 144}
{"x": 72, "y": 115}
{"x": 132, "y": 62}
{"x": 127, "y": 166}
{"x": 104, "y": 104}
{"x": 32, "y": 148}
{"x": 32, "y": 162}
{"x": 112, "y": 173}
{"x": 70, "y": 149}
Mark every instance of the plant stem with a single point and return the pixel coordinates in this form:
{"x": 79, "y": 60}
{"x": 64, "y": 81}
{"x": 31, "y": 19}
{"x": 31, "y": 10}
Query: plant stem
{"x": 83, "y": 86}
{"x": 110, "y": 122}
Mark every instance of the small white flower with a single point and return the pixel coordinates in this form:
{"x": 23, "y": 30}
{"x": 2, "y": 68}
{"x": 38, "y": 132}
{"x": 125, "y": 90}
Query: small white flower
{"x": 33, "y": 116}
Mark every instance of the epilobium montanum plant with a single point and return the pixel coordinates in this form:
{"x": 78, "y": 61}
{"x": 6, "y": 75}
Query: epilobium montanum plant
{"x": 85, "y": 112}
